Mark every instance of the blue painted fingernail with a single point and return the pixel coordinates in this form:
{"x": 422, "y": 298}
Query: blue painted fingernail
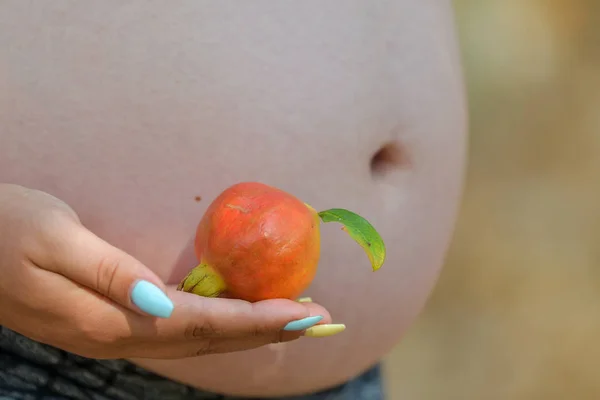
{"x": 149, "y": 298}
{"x": 303, "y": 323}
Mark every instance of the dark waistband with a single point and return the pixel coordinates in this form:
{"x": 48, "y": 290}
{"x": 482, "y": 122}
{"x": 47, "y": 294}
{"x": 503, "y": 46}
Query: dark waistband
{"x": 32, "y": 370}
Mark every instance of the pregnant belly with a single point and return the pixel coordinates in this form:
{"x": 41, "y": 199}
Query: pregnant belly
{"x": 146, "y": 194}
{"x": 138, "y": 129}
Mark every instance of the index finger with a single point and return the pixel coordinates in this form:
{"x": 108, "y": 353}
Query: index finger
{"x": 197, "y": 317}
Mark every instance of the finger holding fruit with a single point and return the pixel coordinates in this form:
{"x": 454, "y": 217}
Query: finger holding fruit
{"x": 256, "y": 242}
{"x": 64, "y": 286}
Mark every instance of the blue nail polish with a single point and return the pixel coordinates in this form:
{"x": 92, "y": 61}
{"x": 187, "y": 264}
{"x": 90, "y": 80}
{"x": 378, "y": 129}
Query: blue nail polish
{"x": 303, "y": 323}
{"x": 149, "y": 298}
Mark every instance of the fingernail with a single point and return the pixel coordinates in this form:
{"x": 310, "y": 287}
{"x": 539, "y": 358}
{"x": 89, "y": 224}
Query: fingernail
{"x": 325, "y": 330}
{"x": 303, "y": 323}
{"x": 149, "y": 298}
{"x": 304, "y": 300}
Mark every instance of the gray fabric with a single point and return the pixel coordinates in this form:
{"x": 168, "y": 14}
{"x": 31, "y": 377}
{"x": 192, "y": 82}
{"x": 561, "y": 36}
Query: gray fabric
{"x": 33, "y": 371}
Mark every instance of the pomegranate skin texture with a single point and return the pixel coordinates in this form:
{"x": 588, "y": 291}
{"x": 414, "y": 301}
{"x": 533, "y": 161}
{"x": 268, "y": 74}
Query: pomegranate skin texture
{"x": 258, "y": 242}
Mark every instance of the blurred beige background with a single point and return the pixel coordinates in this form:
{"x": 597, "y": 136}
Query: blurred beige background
{"x": 516, "y": 313}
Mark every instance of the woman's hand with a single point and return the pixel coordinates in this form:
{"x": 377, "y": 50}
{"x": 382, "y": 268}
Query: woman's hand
{"x": 62, "y": 285}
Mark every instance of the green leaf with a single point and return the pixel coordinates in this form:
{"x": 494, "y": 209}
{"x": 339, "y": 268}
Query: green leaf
{"x": 361, "y": 231}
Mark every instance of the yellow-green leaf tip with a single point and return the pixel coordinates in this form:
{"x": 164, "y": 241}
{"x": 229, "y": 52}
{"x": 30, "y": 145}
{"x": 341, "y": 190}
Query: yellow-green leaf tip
{"x": 361, "y": 231}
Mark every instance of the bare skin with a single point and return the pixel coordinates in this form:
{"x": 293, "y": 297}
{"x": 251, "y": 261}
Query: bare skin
{"x": 129, "y": 113}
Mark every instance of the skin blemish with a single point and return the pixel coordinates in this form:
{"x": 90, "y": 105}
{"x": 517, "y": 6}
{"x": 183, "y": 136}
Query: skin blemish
{"x": 197, "y": 199}
{"x": 239, "y": 208}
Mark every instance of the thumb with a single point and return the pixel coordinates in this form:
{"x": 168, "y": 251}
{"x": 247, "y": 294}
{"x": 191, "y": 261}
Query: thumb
{"x": 83, "y": 257}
